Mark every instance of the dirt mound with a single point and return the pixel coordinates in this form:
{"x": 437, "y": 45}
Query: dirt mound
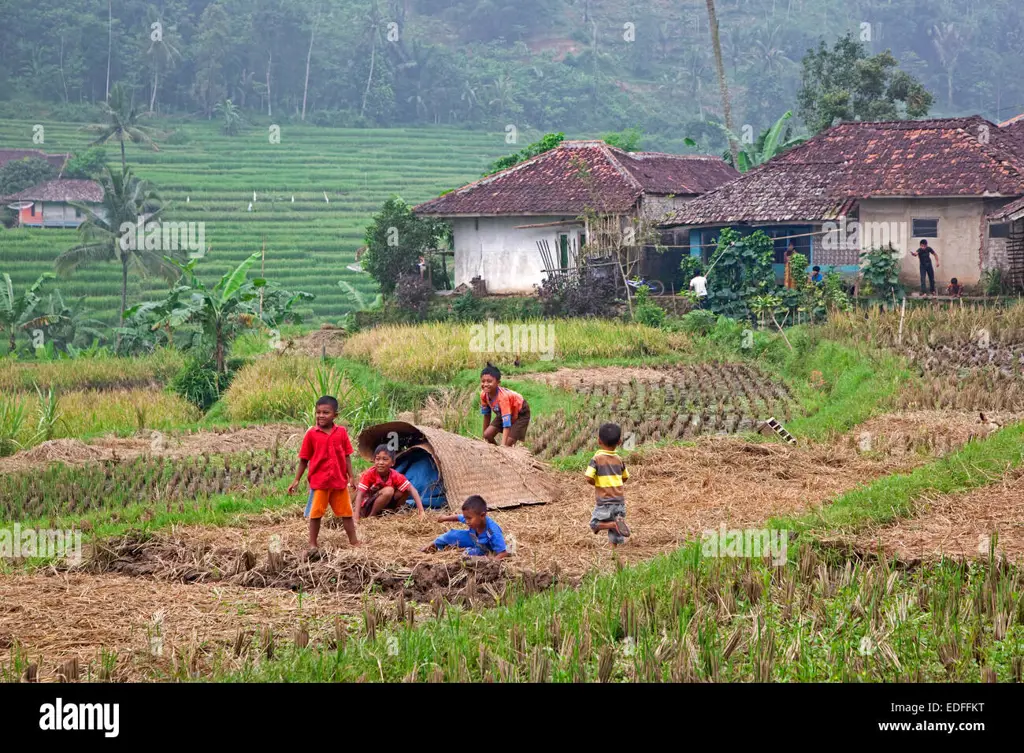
{"x": 71, "y": 451}
{"x": 925, "y": 432}
{"x": 211, "y": 442}
{"x": 959, "y": 526}
{"x": 327, "y": 341}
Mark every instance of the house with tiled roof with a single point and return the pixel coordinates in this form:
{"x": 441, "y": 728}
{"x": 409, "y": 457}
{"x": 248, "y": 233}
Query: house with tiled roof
{"x": 503, "y": 223}
{"x": 14, "y": 155}
{"x": 860, "y": 185}
{"x": 50, "y": 204}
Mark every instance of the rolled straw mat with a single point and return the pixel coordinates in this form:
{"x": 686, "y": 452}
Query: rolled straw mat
{"x": 504, "y": 476}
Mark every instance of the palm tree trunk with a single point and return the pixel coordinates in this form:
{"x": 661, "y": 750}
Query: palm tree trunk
{"x": 124, "y": 161}
{"x": 110, "y": 41}
{"x": 369, "y": 79}
{"x": 309, "y": 54}
{"x": 124, "y": 296}
{"x": 716, "y": 44}
{"x": 156, "y": 82}
{"x": 270, "y": 58}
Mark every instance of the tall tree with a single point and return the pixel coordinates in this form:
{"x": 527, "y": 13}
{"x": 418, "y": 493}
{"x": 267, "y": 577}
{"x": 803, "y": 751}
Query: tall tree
{"x": 723, "y": 86}
{"x": 163, "y": 52}
{"x": 372, "y": 24}
{"x": 109, "y": 232}
{"x": 309, "y": 55}
{"x": 844, "y": 83}
{"x": 124, "y": 121}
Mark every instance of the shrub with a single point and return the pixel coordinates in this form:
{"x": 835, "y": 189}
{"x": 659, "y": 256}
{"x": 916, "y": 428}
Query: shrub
{"x": 466, "y": 307}
{"x": 645, "y": 310}
{"x": 699, "y": 322}
{"x": 199, "y": 383}
{"x": 413, "y": 294}
{"x": 588, "y": 294}
{"x": 881, "y": 271}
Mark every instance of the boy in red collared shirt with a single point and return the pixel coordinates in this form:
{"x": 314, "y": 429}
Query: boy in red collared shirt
{"x": 327, "y": 452}
{"x": 383, "y": 488}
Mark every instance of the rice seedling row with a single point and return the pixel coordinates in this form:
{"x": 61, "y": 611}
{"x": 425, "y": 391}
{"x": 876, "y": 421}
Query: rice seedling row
{"x": 683, "y": 402}
{"x": 59, "y": 489}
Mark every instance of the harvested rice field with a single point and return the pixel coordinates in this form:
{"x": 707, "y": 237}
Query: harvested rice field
{"x": 154, "y": 444}
{"x": 970, "y": 526}
{"x": 204, "y": 585}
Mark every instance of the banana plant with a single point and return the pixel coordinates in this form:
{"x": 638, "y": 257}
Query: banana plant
{"x": 17, "y": 311}
{"x": 771, "y": 143}
{"x": 222, "y": 312}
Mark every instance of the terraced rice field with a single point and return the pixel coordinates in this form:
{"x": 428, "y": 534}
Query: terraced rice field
{"x": 212, "y": 177}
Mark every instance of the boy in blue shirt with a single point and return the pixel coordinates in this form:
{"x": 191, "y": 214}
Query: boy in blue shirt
{"x": 484, "y": 537}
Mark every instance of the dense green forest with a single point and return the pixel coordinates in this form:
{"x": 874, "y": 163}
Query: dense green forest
{"x": 581, "y": 66}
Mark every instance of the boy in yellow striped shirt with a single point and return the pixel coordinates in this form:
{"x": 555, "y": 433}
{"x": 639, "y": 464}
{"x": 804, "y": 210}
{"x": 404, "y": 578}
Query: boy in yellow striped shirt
{"x": 607, "y": 472}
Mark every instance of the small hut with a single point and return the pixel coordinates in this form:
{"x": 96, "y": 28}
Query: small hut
{"x": 459, "y": 466}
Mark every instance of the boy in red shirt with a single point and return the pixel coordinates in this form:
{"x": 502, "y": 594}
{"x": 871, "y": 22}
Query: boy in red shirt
{"x": 327, "y": 452}
{"x": 383, "y": 488}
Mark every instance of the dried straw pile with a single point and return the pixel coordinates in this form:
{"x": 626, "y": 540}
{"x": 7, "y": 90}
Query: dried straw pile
{"x": 959, "y": 526}
{"x": 506, "y": 477}
{"x": 930, "y": 432}
{"x": 75, "y": 614}
{"x": 329, "y": 340}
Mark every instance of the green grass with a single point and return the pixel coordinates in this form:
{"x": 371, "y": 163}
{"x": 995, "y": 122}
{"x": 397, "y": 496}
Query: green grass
{"x": 976, "y": 464}
{"x": 662, "y": 621}
{"x": 211, "y": 179}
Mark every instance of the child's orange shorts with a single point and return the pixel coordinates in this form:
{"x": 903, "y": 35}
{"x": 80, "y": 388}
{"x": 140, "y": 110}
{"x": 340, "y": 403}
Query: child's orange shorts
{"x": 338, "y": 499}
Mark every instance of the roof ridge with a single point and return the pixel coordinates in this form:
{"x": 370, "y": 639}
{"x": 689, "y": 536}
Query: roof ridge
{"x": 607, "y": 150}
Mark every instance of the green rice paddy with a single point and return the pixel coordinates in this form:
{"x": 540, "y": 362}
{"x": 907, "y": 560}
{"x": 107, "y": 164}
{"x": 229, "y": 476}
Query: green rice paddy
{"x": 211, "y": 178}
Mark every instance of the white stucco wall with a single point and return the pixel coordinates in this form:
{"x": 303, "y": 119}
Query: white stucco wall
{"x": 962, "y": 235}
{"x": 505, "y": 256}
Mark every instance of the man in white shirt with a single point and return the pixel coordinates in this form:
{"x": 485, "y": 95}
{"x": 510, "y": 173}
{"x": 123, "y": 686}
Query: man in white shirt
{"x": 699, "y": 285}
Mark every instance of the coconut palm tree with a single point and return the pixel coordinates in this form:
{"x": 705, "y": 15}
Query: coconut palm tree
{"x": 163, "y": 53}
{"x": 716, "y": 44}
{"x": 106, "y": 236}
{"x": 124, "y": 121}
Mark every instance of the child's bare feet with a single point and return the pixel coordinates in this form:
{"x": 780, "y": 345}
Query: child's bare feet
{"x": 312, "y": 554}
